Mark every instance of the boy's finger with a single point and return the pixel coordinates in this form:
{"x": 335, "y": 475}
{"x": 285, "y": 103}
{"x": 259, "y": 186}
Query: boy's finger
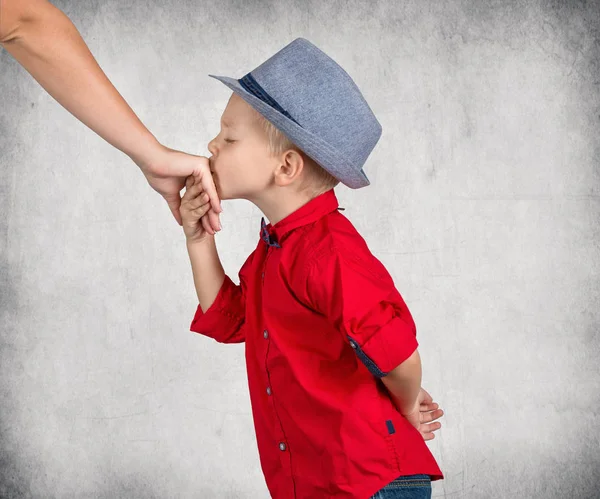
{"x": 198, "y": 201}
{"x": 200, "y": 210}
{"x": 207, "y": 226}
{"x": 193, "y": 191}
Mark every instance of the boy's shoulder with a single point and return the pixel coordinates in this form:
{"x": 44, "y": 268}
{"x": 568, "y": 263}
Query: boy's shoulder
{"x": 334, "y": 236}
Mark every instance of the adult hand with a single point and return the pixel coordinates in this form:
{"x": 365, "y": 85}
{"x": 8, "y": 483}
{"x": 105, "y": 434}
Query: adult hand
{"x": 166, "y": 171}
{"x": 422, "y": 415}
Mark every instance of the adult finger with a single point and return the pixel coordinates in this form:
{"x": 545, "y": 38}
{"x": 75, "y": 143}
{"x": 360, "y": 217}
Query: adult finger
{"x": 174, "y": 202}
{"x": 213, "y": 219}
{"x": 208, "y": 185}
{"x": 212, "y": 216}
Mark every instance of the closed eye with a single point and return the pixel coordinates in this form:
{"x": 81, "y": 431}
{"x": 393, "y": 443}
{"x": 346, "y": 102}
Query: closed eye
{"x": 229, "y": 140}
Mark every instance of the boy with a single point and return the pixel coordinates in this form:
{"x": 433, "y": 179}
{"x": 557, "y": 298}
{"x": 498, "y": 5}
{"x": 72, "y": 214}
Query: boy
{"x": 331, "y": 352}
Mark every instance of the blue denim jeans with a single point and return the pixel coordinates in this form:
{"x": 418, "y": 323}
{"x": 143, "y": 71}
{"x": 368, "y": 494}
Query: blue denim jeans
{"x": 406, "y": 487}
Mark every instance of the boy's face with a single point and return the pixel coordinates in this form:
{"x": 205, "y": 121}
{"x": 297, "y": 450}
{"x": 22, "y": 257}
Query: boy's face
{"x": 241, "y": 161}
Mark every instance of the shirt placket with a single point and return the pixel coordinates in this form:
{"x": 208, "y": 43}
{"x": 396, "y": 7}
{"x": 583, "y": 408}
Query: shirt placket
{"x": 281, "y": 441}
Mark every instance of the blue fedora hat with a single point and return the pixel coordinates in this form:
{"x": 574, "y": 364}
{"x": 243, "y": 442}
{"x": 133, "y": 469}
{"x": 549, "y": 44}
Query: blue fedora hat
{"x": 315, "y": 103}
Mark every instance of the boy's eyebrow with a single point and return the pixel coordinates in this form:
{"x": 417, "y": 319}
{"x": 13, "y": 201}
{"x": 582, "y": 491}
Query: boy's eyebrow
{"x": 226, "y": 124}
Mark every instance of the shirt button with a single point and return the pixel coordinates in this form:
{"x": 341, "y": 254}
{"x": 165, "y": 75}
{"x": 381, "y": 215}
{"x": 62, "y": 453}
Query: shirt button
{"x": 266, "y": 334}
{"x": 281, "y": 446}
{"x": 268, "y": 390}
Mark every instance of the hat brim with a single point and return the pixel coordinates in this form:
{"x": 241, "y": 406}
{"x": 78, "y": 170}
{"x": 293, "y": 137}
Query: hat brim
{"x": 319, "y": 150}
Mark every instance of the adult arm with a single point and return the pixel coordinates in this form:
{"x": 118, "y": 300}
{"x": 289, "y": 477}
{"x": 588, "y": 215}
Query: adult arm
{"x": 47, "y": 44}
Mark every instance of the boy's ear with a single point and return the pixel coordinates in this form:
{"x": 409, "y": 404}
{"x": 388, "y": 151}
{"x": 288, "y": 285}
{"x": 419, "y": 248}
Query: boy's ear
{"x": 293, "y": 162}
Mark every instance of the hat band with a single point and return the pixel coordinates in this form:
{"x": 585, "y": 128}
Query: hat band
{"x": 252, "y": 86}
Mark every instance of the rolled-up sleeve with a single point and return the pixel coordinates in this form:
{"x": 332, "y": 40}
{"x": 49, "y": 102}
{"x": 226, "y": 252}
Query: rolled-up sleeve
{"x": 224, "y": 320}
{"x": 358, "y": 296}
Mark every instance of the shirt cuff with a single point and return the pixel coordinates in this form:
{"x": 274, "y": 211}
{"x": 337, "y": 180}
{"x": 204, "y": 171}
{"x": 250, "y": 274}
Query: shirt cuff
{"x": 222, "y": 321}
{"x": 391, "y": 345}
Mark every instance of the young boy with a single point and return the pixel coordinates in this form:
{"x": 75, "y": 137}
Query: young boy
{"x": 331, "y": 352}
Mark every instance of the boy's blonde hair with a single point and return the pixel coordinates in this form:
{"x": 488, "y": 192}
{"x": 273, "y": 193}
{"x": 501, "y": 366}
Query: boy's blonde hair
{"x": 316, "y": 180}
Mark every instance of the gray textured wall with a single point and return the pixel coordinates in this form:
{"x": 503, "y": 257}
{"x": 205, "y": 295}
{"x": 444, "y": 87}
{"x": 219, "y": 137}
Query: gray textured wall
{"x": 484, "y": 205}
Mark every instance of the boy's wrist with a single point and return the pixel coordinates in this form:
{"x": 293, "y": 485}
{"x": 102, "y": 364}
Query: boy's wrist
{"x": 198, "y": 242}
{"x": 403, "y": 404}
{"x": 410, "y": 408}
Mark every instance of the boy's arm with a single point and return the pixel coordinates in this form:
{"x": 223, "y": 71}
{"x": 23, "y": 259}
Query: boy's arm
{"x": 356, "y": 293}
{"x": 404, "y": 383}
{"x": 207, "y": 270}
{"x": 221, "y": 303}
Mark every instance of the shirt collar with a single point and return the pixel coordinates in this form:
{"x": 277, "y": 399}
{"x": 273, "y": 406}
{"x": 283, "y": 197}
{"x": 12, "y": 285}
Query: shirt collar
{"x": 310, "y": 212}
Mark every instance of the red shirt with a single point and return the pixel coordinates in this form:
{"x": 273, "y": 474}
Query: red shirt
{"x": 322, "y": 322}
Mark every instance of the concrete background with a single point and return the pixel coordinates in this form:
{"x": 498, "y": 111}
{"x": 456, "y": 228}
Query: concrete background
{"x": 484, "y": 205}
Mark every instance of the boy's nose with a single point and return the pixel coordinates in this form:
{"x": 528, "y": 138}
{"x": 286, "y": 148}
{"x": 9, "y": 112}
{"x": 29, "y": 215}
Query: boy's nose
{"x": 212, "y": 147}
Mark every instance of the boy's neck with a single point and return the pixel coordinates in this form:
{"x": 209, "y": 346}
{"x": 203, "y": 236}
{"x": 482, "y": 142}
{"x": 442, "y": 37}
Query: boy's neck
{"x": 276, "y": 205}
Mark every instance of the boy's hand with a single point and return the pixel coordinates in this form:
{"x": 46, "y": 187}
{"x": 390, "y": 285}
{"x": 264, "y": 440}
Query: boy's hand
{"x": 194, "y": 206}
{"x": 424, "y": 412}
